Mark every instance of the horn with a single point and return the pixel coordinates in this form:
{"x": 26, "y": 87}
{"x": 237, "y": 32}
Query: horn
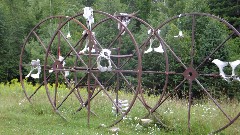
{"x": 220, "y": 64}
{"x": 234, "y": 64}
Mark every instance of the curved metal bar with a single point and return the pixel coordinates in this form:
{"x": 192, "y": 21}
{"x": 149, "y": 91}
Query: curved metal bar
{"x": 234, "y": 31}
{"x": 215, "y": 102}
{"x": 227, "y": 125}
{"x": 166, "y": 73}
{"x": 32, "y": 32}
{"x": 118, "y": 36}
{"x": 231, "y": 120}
{"x": 46, "y": 58}
{"x": 162, "y": 100}
{"x": 136, "y": 47}
{"x": 23, "y": 48}
{"x": 89, "y": 66}
{"x": 200, "y": 14}
{"x": 139, "y": 67}
{"x": 215, "y": 50}
{"x": 93, "y": 29}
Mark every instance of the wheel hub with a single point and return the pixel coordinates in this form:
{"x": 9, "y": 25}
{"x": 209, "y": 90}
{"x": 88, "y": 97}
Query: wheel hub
{"x": 190, "y": 74}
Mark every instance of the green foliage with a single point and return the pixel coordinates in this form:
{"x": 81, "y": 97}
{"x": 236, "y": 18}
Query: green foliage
{"x": 230, "y": 10}
{"x": 17, "y": 18}
{"x": 3, "y": 52}
{"x": 16, "y": 23}
{"x": 110, "y": 6}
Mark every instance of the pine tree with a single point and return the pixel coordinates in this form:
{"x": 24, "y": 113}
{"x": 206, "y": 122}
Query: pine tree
{"x": 228, "y": 9}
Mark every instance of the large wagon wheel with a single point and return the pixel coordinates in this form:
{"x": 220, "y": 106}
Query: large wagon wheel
{"x": 91, "y": 74}
{"x": 192, "y": 53}
{"x": 35, "y": 46}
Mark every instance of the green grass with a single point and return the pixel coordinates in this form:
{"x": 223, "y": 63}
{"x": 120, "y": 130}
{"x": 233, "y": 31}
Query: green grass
{"x": 18, "y": 116}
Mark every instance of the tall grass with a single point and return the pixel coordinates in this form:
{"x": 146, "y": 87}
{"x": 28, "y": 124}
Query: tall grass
{"x": 18, "y": 116}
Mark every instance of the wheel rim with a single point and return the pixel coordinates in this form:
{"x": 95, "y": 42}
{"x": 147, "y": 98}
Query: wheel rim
{"x": 91, "y": 71}
{"x": 190, "y": 71}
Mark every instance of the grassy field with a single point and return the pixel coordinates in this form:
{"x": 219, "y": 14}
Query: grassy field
{"x": 18, "y": 116}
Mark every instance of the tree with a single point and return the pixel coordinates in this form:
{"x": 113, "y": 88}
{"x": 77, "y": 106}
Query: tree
{"x": 228, "y": 9}
{"x": 16, "y": 24}
{"x": 3, "y": 51}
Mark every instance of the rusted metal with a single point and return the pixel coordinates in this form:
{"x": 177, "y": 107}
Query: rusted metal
{"x": 32, "y": 32}
{"x": 190, "y": 72}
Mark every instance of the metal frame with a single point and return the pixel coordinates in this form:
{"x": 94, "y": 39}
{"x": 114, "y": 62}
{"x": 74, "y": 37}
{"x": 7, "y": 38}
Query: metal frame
{"x": 190, "y": 74}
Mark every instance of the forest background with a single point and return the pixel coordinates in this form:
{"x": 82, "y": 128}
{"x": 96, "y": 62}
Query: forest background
{"x": 18, "y": 17}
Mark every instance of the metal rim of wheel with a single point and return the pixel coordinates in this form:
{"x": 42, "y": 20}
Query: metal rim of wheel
{"x": 34, "y": 33}
{"x": 191, "y": 74}
{"x": 191, "y": 71}
{"x": 89, "y": 66}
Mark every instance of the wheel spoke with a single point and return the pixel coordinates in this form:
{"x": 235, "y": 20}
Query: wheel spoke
{"x": 73, "y": 49}
{"x": 192, "y": 72}
{"x": 89, "y": 92}
{"x": 71, "y": 91}
{"x": 43, "y": 45}
{"x": 174, "y": 54}
{"x": 193, "y": 40}
{"x": 39, "y": 40}
{"x": 230, "y": 123}
{"x": 104, "y": 90}
{"x": 130, "y": 86}
{"x": 56, "y": 90}
{"x": 215, "y": 102}
{"x": 114, "y": 40}
{"x": 78, "y": 96}
{"x": 189, "y": 103}
{"x": 215, "y": 50}
{"x": 86, "y": 102}
{"x": 167, "y": 96}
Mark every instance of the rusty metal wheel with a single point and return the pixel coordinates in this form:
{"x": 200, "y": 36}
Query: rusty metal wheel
{"x": 93, "y": 64}
{"x": 35, "y": 46}
{"x": 97, "y": 64}
{"x": 193, "y": 70}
